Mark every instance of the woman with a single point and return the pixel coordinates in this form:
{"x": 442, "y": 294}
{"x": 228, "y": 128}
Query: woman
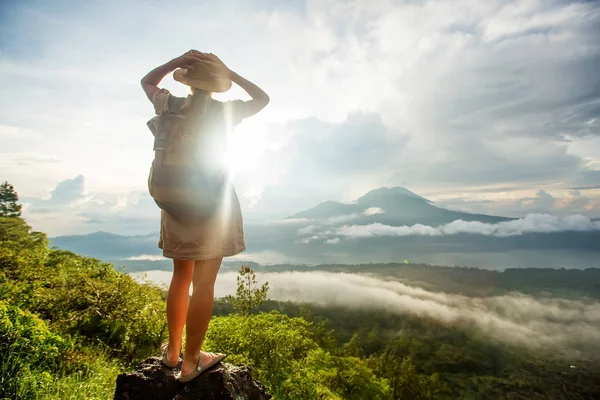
{"x": 195, "y": 232}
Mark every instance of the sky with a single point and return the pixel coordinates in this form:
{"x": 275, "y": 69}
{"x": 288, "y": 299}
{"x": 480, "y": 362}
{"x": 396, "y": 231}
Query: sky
{"x": 489, "y": 107}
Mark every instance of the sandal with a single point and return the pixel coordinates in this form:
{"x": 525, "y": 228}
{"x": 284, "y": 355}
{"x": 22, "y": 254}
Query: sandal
{"x": 165, "y": 361}
{"x": 217, "y": 358}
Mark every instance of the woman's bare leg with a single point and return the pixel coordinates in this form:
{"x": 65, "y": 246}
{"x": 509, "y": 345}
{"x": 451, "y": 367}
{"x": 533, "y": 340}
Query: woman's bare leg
{"x": 199, "y": 312}
{"x": 177, "y": 304}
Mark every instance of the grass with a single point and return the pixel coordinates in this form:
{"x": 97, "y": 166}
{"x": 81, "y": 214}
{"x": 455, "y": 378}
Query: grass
{"x": 89, "y": 376}
{"x": 97, "y": 382}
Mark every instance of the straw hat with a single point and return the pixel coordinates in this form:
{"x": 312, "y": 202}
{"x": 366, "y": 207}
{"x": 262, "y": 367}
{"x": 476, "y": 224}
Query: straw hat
{"x": 209, "y": 76}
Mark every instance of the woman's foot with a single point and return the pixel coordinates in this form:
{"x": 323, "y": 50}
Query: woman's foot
{"x": 206, "y": 360}
{"x": 170, "y": 356}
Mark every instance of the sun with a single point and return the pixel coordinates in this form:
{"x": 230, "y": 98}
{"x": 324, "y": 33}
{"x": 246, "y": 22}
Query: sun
{"x": 246, "y": 148}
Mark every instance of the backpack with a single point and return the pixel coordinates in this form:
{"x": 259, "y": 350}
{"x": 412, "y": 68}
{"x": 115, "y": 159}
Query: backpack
{"x": 182, "y": 190}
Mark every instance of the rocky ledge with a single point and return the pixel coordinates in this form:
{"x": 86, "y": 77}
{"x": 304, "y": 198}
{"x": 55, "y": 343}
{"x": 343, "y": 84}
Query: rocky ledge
{"x": 150, "y": 380}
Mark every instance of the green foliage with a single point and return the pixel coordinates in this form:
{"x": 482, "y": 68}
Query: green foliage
{"x": 321, "y": 375}
{"x": 9, "y": 201}
{"x": 248, "y": 294}
{"x": 353, "y": 348}
{"x": 97, "y": 312}
{"x": 270, "y": 343}
{"x": 29, "y": 349}
{"x": 69, "y": 324}
{"x": 20, "y": 246}
{"x": 17, "y": 235}
{"x": 286, "y": 356}
{"x": 404, "y": 380}
{"x": 449, "y": 362}
{"x": 88, "y": 373}
{"x": 79, "y": 295}
{"x": 37, "y": 363}
{"x": 90, "y": 298}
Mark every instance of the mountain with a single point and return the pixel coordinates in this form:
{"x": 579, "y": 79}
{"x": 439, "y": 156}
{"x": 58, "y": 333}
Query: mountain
{"x": 384, "y": 225}
{"x": 385, "y": 192}
{"x": 395, "y": 206}
{"x": 106, "y": 245}
{"x": 328, "y": 209}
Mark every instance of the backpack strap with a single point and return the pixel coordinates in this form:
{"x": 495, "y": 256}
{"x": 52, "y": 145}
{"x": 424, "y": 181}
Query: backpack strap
{"x": 168, "y": 124}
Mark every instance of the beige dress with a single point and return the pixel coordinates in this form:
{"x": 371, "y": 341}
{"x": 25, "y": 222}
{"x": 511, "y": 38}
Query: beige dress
{"x": 193, "y": 238}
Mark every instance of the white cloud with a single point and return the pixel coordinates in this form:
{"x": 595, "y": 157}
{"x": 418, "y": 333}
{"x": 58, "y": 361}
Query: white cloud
{"x": 517, "y": 201}
{"x": 437, "y": 86}
{"x": 373, "y": 211}
{"x": 263, "y": 257}
{"x": 532, "y": 223}
{"x": 332, "y": 241}
{"x": 146, "y": 257}
{"x": 378, "y": 229}
{"x": 307, "y": 230}
{"x": 316, "y": 224}
{"x": 310, "y": 239}
{"x": 69, "y": 208}
{"x": 69, "y": 191}
{"x": 562, "y": 324}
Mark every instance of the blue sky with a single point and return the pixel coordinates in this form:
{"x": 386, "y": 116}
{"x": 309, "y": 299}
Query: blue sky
{"x": 484, "y": 106}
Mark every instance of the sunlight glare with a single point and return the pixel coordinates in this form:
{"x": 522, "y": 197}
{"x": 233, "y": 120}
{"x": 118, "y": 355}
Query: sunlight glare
{"x": 246, "y": 148}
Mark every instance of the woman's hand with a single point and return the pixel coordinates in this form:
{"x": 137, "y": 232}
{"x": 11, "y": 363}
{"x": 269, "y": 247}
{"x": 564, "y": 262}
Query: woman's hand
{"x": 215, "y": 59}
{"x": 189, "y": 58}
{"x": 224, "y": 71}
{"x": 152, "y": 79}
{"x": 192, "y": 57}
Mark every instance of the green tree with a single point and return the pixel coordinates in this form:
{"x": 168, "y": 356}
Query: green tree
{"x": 406, "y": 383}
{"x": 22, "y": 252}
{"x": 270, "y": 343}
{"x": 321, "y": 375}
{"x": 248, "y": 295}
{"x": 78, "y": 295}
{"x": 9, "y": 201}
{"x": 93, "y": 318}
{"x": 353, "y": 348}
{"x": 91, "y": 299}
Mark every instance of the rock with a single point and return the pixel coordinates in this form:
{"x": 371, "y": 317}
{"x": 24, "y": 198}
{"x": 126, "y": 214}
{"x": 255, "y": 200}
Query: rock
{"x": 150, "y": 380}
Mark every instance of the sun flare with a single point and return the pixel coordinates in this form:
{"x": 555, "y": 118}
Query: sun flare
{"x": 246, "y": 148}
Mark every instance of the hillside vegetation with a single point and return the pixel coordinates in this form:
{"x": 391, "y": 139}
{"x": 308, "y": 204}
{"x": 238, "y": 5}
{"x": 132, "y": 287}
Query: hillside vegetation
{"x": 69, "y": 324}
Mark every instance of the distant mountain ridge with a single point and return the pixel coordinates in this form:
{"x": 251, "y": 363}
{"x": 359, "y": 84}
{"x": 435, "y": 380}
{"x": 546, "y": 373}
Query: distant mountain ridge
{"x": 394, "y": 215}
{"x": 400, "y": 207}
{"x": 387, "y": 191}
{"x": 97, "y": 244}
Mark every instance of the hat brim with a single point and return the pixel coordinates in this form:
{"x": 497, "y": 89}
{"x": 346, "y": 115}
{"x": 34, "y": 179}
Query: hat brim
{"x": 216, "y": 84}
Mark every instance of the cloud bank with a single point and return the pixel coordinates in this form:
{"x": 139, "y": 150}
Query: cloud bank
{"x": 515, "y": 318}
{"x": 532, "y": 223}
{"x": 321, "y": 230}
{"x": 71, "y": 208}
{"x": 570, "y": 326}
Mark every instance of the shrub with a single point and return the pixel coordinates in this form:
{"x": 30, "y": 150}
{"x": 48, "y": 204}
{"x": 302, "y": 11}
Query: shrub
{"x": 269, "y": 342}
{"x": 325, "y": 376}
{"x": 86, "y": 297}
{"x": 29, "y": 350}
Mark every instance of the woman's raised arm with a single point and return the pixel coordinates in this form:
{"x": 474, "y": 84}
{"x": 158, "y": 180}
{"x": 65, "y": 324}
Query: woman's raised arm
{"x": 259, "y": 98}
{"x": 152, "y": 79}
